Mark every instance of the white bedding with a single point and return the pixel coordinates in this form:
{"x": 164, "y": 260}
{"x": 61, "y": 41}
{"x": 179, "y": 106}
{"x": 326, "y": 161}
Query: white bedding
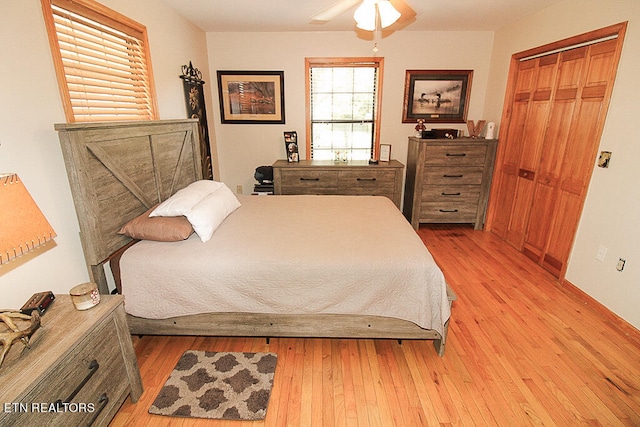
{"x": 292, "y": 255}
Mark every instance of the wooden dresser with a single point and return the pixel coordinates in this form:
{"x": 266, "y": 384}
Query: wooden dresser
{"x": 79, "y": 368}
{"x": 343, "y": 178}
{"x": 448, "y": 180}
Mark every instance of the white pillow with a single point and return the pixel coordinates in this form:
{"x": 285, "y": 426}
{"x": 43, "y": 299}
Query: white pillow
{"x": 183, "y": 201}
{"x": 207, "y": 215}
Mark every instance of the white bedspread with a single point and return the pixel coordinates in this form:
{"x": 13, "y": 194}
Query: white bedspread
{"x": 293, "y": 255}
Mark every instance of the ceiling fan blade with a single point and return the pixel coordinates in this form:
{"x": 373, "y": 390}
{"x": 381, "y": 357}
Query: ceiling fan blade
{"x": 334, "y": 10}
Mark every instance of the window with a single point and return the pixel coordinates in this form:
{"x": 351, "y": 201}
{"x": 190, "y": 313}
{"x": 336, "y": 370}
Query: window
{"x": 343, "y": 107}
{"x": 101, "y": 60}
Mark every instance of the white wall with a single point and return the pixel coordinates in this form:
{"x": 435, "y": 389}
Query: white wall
{"x": 30, "y": 105}
{"x": 244, "y": 147}
{"x": 612, "y": 209}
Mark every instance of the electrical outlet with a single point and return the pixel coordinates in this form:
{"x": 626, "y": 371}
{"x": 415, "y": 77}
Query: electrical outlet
{"x": 238, "y": 189}
{"x": 621, "y": 263}
{"x": 602, "y": 253}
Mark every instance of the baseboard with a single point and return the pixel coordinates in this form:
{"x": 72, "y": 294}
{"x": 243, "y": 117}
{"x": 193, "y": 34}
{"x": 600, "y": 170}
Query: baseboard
{"x": 624, "y": 326}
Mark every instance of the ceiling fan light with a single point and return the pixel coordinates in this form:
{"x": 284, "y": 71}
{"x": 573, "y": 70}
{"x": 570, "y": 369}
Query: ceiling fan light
{"x": 365, "y": 15}
{"x": 388, "y": 13}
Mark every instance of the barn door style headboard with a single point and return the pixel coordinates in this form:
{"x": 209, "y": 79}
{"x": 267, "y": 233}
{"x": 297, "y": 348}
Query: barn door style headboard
{"x": 119, "y": 170}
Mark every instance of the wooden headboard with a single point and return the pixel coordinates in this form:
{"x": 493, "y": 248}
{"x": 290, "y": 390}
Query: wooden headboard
{"x": 119, "y": 170}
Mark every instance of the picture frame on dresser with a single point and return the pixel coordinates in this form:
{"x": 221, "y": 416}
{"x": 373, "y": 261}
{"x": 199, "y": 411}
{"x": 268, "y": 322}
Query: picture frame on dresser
{"x": 291, "y": 146}
{"x": 437, "y": 96}
{"x": 385, "y": 152}
{"x": 262, "y": 99}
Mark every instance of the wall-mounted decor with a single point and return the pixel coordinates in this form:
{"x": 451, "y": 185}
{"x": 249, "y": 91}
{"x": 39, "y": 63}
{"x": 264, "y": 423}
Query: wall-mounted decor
{"x": 194, "y": 97}
{"x": 436, "y": 96}
{"x": 251, "y": 96}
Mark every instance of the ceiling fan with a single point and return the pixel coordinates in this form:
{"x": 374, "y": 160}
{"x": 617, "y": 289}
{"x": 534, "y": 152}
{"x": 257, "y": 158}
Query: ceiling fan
{"x": 367, "y": 14}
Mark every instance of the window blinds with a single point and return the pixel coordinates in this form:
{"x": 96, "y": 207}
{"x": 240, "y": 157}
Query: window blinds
{"x": 104, "y": 66}
{"x": 342, "y": 103}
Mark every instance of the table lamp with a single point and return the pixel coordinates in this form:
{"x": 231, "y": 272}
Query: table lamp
{"x": 23, "y": 227}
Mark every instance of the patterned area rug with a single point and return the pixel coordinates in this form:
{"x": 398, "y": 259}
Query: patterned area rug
{"x": 230, "y": 386}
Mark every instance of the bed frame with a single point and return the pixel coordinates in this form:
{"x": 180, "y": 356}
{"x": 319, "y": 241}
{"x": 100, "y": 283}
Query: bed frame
{"x": 119, "y": 170}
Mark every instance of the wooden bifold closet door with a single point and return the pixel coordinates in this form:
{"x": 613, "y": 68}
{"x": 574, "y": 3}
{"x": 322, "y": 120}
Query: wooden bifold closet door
{"x": 553, "y": 121}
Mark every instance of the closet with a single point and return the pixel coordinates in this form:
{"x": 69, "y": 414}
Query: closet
{"x": 554, "y": 113}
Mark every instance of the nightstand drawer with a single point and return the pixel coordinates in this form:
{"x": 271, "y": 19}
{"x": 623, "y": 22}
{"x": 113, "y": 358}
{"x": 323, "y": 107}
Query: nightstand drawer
{"x": 453, "y": 176}
{"x": 456, "y": 155}
{"x": 84, "y": 386}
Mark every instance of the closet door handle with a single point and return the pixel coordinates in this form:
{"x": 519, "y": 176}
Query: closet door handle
{"x": 526, "y": 174}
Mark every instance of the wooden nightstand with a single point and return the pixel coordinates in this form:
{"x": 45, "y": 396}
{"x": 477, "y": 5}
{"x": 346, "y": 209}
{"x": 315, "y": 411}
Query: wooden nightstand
{"x": 85, "y": 358}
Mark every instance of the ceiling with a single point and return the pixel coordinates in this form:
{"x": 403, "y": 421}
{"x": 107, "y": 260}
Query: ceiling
{"x": 296, "y": 15}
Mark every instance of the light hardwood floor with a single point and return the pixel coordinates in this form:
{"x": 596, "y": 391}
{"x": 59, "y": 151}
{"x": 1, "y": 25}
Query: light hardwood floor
{"x": 522, "y": 350}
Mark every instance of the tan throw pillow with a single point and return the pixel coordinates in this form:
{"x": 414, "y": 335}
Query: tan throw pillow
{"x": 161, "y": 229}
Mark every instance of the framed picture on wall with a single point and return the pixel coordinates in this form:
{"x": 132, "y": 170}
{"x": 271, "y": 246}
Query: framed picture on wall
{"x": 251, "y": 96}
{"x": 436, "y": 96}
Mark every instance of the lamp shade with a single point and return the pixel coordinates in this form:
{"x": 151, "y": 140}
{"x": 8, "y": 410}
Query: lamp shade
{"x": 366, "y": 15}
{"x": 388, "y": 13}
{"x": 23, "y": 227}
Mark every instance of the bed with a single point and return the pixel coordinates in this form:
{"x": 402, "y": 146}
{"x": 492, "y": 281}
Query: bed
{"x": 277, "y": 266}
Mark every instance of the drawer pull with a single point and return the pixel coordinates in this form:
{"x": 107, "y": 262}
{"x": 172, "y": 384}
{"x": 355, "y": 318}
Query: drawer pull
{"x": 103, "y": 401}
{"x": 309, "y": 179}
{"x": 93, "y": 368}
{"x": 456, "y": 154}
{"x": 450, "y": 194}
{"x": 448, "y": 210}
{"x": 452, "y": 176}
{"x": 365, "y": 179}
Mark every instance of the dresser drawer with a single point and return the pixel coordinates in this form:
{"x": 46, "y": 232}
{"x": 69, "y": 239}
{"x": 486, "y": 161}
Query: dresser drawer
{"x": 453, "y": 176}
{"x": 309, "y": 181}
{"x": 378, "y": 177}
{"x": 456, "y": 155}
{"x": 356, "y": 178}
{"x": 367, "y": 182}
{"x": 445, "y": 194}
{"x": 448, "y": 212}
{"x": 83, "y": 388}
